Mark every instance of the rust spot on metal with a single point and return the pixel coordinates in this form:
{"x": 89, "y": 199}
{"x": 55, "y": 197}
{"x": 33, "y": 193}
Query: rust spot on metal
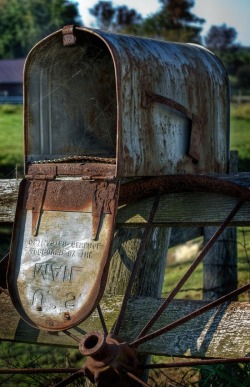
{"x": 67, "y": 316}
{"x": 141, "y": 188}
{"x": 109, "y": 359}
{"x": 69, "y": 38}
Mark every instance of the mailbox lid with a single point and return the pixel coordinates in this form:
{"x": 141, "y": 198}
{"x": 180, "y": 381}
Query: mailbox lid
{"x": 60, "y": 250}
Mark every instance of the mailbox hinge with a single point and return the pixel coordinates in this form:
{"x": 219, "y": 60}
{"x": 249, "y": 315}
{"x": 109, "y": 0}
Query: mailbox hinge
{"x": 103, "y": 196}
{"x": 37, "y": 195}
{"x": 69, "y": 38}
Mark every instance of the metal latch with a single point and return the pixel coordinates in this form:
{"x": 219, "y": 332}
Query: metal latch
{"x": 195, "y": 138}
{"x": 69, "y": 38}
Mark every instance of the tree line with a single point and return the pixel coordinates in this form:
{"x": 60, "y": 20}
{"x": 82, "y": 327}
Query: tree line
{"x": 23, "y": 23}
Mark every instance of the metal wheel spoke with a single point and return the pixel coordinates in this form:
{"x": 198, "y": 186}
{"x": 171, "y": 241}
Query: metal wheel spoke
{"x": 72, "y": 336}
{"x": 137, "y": 263}
{"x": 70, "y": 379}
{"x": 104, "y": 326}
{"x": 196, "y": 363}
{"x": 182, "y": 281}
{"x": 189, "y": 316}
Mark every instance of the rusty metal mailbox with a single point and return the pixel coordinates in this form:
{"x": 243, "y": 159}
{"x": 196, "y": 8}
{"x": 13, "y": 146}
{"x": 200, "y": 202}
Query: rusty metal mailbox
{"x": 101, "y": 107}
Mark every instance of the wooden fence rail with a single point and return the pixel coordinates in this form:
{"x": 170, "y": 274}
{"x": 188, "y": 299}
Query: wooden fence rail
{"x": 222, "y": 332}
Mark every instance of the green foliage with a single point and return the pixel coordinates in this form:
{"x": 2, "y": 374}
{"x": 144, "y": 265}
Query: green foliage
{"x": 23, "y": 23}
{"x": 178, "y": 23}
{"x": 115, "y": 18}
{"x": 243, "y": 76}
{"x": 221, "y": 38}
{"x": 17, "y": 355}
{"x": 241, "y": 111}
{"x": 174, "y": 22}
{"x": 234, "y": 59}
{"x": 239, "y": 135}
{"x": 11, "y": 140}
{"x": 9, "y": 109}
{"x": 229, "y": 375}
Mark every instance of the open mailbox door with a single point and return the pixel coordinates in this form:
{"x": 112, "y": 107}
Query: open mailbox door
{"x": 100, "y": 108}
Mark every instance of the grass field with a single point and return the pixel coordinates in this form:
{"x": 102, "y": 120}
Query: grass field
{"x": 240, "y": 135}
{"x": 11, "y": 138}
{"x": 11, "y": 160}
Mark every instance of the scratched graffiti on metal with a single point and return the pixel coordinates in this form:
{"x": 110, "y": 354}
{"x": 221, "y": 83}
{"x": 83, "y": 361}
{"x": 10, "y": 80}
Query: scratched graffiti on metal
{"x": 58, "y": 268}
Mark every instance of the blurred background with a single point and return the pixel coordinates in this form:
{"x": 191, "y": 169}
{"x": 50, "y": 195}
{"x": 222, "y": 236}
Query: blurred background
{"x": 221, "y": 26}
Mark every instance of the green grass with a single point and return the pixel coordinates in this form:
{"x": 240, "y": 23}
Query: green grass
{"x": 11, "y": 140}
{"x": 240, "y": 141}
{"x": 11, "y": 155}
{"x": 243, "y": 242}
{"x": 11, "y": 137}
{"x": 192, "y": 289}
{"x": 175, "y": 270}
{"x": 13, "y": 355}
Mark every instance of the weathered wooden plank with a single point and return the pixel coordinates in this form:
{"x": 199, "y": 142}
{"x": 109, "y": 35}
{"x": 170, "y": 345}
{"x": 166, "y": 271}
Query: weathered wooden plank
{"x": 220, "y": 263}
{"x": 221, "y": 332}
{"x": 150, "y": 276}
{"x": 185, "y": 209}
{"x": 8, "y": 199}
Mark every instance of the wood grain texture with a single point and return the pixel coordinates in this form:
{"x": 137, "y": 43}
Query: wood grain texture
{"x": 186, "y": 209}
{"x": 221, "y": 332}
{"x": 8, "y": 199}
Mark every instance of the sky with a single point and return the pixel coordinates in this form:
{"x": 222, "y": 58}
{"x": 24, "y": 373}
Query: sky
{"x": 234, "y": 13}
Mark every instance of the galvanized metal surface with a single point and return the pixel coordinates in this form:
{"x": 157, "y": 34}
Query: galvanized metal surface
{"x": 60, "y": 251}
{"x": 89, "y": 99}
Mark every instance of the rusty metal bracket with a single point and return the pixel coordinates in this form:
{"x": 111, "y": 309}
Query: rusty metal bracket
{"x": 69, "y": 38}
{"x": 38, "y": 191}
{"x": 101, "y": 200}
{"x": 38, "y": 194}
{"x": 195, "y": 138}
{"x": 41, "y": 172}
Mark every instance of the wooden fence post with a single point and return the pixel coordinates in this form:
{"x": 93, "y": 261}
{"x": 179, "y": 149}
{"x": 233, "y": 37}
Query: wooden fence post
{"x": 150, "y": 276}
{"x": 220, "y": 263}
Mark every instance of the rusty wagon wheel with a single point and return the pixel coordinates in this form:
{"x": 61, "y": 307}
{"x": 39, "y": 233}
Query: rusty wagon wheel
{"x": 110, "y": 360}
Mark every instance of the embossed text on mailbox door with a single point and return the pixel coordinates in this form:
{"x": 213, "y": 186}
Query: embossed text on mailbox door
{"x": 59, "y": 267}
